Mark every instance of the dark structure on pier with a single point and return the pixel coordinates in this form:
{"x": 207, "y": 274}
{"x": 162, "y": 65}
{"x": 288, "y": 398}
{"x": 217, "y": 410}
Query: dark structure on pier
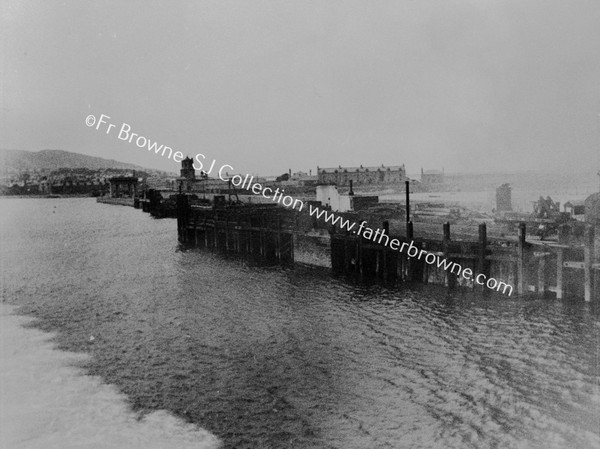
{"x": 123, "y": 186}
{"x": 187, "y": 177}
{"x": 567, "y": 268}
{"x": 262, "y": 233}
{"x": 266, "y": 234}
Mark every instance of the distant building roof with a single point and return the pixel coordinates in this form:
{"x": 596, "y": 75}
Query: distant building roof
{"x": 360, "y": 169}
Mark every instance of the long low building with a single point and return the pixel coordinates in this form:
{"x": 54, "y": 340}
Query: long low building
{"x": 342, "y": 176}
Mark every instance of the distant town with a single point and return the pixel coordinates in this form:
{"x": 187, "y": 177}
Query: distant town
{"x": 56, "y": 172}
{"x": 22, "y": 176}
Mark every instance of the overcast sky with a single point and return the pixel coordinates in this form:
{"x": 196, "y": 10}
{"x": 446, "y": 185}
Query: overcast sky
{"x": 264, "y": 86}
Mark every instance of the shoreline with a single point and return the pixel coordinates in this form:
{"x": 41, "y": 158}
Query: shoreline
{"x": 47, "y": 401}
{"x": 48, "y": 196}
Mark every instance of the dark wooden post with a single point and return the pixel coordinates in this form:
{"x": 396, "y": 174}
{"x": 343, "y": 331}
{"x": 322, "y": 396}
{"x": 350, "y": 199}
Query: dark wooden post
{"x": 333, "y": 249}
{"x": 407, "y": 184}
{"x": 521, "y": 282}
{"x": 261, "y": 234}
{"x": 541, "y": 288}
{"x": 410, "y": 264}
{"x": 205, "y": 232}
{"x": 216, "y": 231}
{"x": 482, "y": 248}
{"x": 588, "y": 257}
{"x": 424, "y": 267}
{"x": 559, "y": 273}
{"x": 347, "y": 263}
{"x": 183, "y": 215}
{"x": 384, "y": 252}
{"x": 359, "y": 258}
{"x": 402, "y": 267}
{"x": 227, "y": 238}
{"x": 278, "y": 249}
{"x": 449, "y": 279}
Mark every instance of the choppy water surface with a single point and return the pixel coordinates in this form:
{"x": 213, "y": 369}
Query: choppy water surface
{"x": 272, "y": 358}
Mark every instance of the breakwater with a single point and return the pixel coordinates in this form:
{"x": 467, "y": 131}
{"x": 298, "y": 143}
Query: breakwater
{"x": 262, "y": 232}
{"x": 510, "y": 265}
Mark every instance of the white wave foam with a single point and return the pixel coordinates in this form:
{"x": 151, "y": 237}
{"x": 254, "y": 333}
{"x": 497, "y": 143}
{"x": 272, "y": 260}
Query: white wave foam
{"x": 46, "y": 402}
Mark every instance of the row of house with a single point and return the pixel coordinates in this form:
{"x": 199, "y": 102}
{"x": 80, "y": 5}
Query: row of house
{"x": 51, "y": 186}
{"x": 62, "y": 181}
{"x": 341, "y": 176}
{"x": 383, "y": 175}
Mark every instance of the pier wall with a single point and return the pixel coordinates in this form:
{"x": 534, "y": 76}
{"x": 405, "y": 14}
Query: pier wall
{"x": 268, "y": 234}
{"x": 261, "y": 233}
{"x": 116, "y": 201}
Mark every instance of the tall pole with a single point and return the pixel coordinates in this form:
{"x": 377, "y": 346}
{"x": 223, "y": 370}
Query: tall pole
{"x": 409, "y": 224}
{"x": 407, "y": 183}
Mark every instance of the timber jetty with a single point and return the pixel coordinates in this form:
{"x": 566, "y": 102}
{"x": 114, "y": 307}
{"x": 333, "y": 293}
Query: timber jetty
{"x": 262, "y": 232}
{"x": 269, "y": 234}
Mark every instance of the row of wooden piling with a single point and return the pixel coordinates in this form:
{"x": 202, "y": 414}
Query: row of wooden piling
{"x": 265, "y": 234}
{"x": 256, "y": 233}
{"x": 542, "y": 268}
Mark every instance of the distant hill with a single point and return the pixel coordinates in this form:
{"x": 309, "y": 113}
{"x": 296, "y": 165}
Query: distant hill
{"x": 20, "y": 160}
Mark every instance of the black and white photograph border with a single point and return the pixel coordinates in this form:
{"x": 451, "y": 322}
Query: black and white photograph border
{"x": 300, "y": 224}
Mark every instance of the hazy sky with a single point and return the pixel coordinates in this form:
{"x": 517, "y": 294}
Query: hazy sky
{"x": 264, "y": 86}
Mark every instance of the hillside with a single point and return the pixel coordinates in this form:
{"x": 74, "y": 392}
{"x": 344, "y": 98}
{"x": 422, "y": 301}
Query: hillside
{"x": 48, "y": 160}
